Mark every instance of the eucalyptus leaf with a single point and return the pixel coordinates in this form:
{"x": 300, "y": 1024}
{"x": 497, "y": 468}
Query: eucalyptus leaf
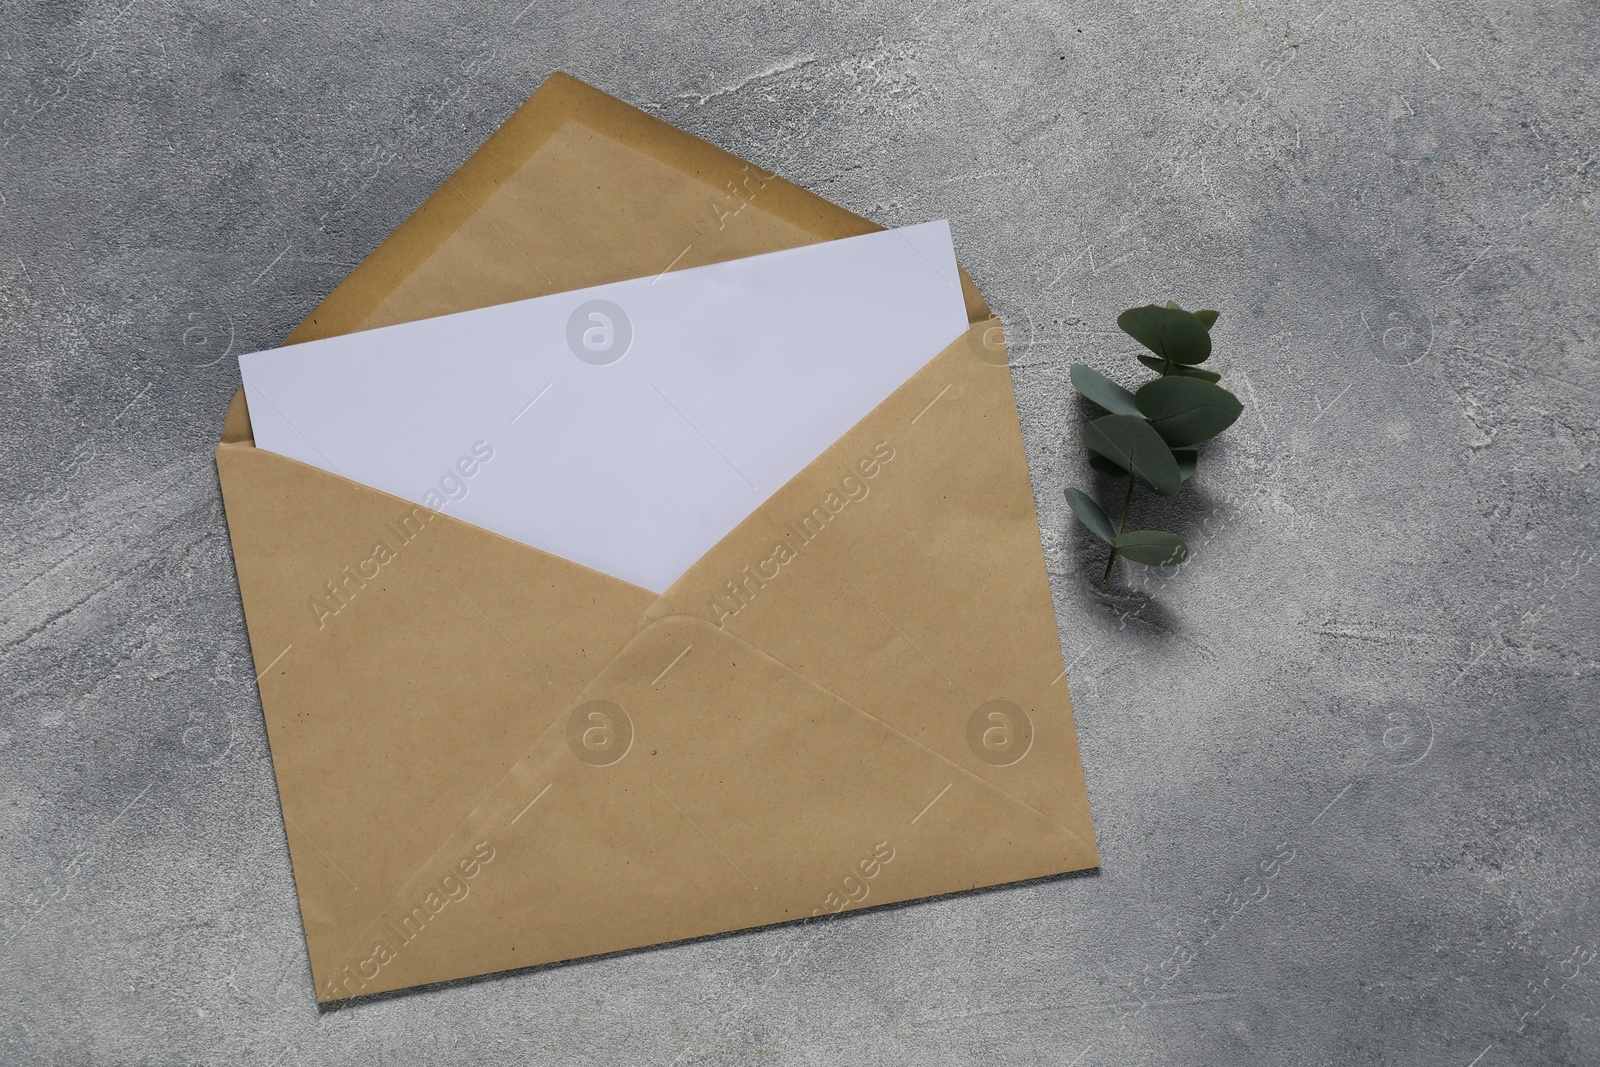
{"x": 1178, "y": 369}
{"x": 1186, "y": 460}
{"x": 1132, "y": 444}
{"x": 1102, "y": 390}
{"x": 1207, "y": 317}
{"x": 1153, "y": 547}
{"x": 1105, "y": 466}
{"x": 1186, "y": 411}
{"x": 1170, "y": 332}
{"x": 1090, "y": 514}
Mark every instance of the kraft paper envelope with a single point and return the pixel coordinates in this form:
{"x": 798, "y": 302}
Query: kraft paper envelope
{"x": 489, "y": 757}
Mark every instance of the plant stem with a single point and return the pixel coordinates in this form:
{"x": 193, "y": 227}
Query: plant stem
{"x": 1126, "y": 502}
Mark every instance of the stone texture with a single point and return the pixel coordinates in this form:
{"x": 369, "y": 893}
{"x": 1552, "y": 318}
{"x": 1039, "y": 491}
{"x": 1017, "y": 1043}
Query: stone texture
{"x": 1341, "y": 763}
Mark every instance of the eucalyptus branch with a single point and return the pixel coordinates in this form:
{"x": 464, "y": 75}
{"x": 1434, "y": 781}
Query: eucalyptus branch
{"x": 1150, "y": 436}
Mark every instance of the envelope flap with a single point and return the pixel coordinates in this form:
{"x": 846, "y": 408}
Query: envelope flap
{"x": 576, "y": 189}
{"x": 668, "y": 803}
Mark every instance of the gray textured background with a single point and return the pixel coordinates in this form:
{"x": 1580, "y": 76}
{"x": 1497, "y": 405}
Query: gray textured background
{"x": 1379, "y": 666}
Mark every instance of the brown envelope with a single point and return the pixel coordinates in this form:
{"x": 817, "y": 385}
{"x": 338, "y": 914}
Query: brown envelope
{"x": 489, "y": 757}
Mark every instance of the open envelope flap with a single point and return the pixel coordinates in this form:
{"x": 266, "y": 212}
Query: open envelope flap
{"x": 685, "y": 795}
{"x": 576, "y": 189}
{"x": 404, "y": 656}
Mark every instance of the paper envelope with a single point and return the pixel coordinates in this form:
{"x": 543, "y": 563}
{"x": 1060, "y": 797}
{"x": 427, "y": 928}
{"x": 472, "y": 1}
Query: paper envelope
{"x": 489, "y": 757}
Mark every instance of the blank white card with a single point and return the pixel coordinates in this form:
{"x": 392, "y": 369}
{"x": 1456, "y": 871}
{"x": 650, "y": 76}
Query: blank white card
{"x": 627, "y": 427}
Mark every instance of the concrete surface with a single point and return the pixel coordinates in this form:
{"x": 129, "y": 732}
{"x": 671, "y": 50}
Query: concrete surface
{"x": 1342, "y": 764}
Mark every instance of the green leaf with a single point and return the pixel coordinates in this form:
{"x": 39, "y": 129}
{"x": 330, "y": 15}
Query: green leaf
{"x": 1178, "y": 369}
{"x": 1186, "y": 459}
{"x": 1152, "y": 547}
{"x": 1090, "y": 514}
{"x": 1102, "y": 390}
{"x": 1207, "y": 317}
{"x": 1170, "y": 332}
{"x": 1105, "y": 466}
{"x": 1186, "y": 411}
{"x": 1131, "y": 443}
